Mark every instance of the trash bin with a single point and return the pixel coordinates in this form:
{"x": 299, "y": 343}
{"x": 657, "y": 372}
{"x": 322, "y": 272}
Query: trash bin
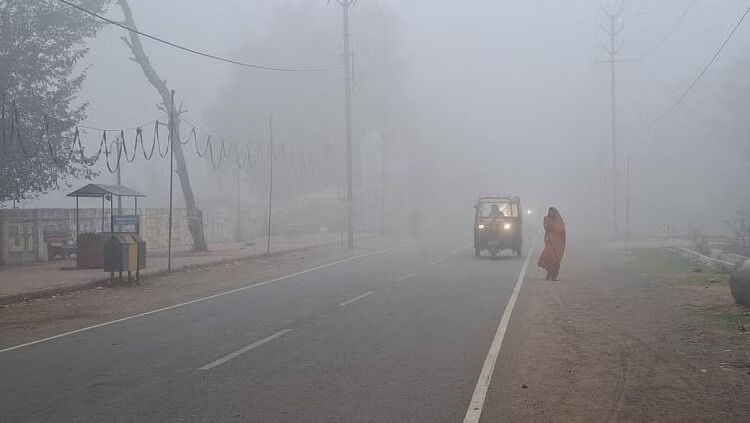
{"x": 116, "y": 254}
{"x": 141, "y": 250}
{"x": 125, "y": 253}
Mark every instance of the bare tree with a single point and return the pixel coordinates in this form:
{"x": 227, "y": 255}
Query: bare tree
{"x": 195, "y": 221}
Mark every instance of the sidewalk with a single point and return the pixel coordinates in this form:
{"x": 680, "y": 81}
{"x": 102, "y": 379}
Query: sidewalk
{"x": 624, "y": 336}
{"x": 39, "y": 280}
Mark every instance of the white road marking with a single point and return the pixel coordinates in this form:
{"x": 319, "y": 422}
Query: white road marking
{"x": 403, "y": 278}
{"x": 346, "y": 303}
{"x": 456, "y": 252}
{"x": 485, "y": 377}
{"x": 210, "y": 297}
{"x": 438, "y": 261}
{"x": 243, "y": 350}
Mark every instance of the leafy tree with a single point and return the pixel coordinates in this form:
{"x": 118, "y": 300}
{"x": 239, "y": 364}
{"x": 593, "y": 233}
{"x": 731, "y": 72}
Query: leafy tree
{"x": 41, "y": 45}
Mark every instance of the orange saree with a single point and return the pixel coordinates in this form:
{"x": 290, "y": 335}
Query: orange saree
{"x": 554, "y": 244}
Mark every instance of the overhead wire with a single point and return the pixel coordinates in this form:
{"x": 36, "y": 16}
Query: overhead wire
{"x": 93, "y": 128}
{"x": 703, "y": 72}
{"x": 193, "y": 51}
{"x": 670, "y": 31}
{"x": 638, "y": 11}
{"x": 298, "y": 162}
{"x": 117, "y": 148}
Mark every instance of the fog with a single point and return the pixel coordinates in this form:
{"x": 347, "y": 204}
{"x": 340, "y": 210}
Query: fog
{"x": 469, "y": 98}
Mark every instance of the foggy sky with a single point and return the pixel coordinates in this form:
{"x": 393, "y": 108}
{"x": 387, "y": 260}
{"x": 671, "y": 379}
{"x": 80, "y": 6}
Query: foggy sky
{"x": 509, "y": 94}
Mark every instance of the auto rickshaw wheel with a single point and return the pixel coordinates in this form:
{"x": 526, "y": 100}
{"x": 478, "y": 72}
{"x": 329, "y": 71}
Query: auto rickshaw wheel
{"x": 518, "y": 253}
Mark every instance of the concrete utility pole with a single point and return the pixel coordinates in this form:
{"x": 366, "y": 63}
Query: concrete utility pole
{"x": 627, "y": 203}
{"x": 238, "y": 232}
{"x": 612, "y": 31}
{"x": 270, "y": 182}
{"x": 345, "y": 5}
{"x": 171, "y": 180}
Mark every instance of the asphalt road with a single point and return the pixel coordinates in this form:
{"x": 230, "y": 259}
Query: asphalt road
{"x": 397, "y": 336}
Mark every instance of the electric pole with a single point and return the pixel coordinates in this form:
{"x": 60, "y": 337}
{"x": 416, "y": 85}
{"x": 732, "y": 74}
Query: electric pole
{"x": 270, "y": 182}
{"x": 627, "y": 203}
{"x": 613, "y": 30}
{"x": 238, "y": 233}
{"x": 345, "y": 5}
{"x": 119, "y": 172}
{"x": 171, "y": 180}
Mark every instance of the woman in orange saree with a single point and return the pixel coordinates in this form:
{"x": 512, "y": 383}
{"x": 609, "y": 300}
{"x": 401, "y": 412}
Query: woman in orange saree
{"x": 554, "y": 244}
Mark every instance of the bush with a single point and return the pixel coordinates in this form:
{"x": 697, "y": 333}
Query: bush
{"x": 699, "y": 241}
{"x": 738, "y": 232}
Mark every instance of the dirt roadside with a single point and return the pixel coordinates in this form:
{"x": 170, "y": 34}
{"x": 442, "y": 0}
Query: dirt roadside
{"x": 35, "y": 319}
{"x": 635, "y": 336}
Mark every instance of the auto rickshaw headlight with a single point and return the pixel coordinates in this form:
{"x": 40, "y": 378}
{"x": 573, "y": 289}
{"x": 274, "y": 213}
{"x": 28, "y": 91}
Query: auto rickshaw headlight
{"x": 480, "y": 227}
{"x": 507, "y": 226}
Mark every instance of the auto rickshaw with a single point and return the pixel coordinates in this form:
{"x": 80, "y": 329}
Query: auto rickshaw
{"x": 498, "y": 225}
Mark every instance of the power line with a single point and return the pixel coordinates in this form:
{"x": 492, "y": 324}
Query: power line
{"x": 703, "y": 72}
{"x": 94, "y": 128}
{"x": 638, "y": 11}
{"x": 305, "y": 161}
{"x": 671, "y": 30}
{"x": 190, "y": 50}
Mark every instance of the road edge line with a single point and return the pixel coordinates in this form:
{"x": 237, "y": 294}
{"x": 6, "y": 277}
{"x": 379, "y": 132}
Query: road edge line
{"x": 198, "y": 300}
{"x": 476, "y": 404}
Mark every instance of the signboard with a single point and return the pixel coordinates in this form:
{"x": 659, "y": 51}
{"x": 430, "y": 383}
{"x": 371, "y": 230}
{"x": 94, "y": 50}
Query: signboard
{"x": 126, "y": 220}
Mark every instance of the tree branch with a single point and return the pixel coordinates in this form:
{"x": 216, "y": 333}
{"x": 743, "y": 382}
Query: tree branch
{"x": 195, "y": 227}
{"x": 127, "y": 43}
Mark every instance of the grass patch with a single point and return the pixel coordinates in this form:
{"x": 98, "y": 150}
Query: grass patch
{"x": 726, "y": 317}
{"x": 707, "y": 277}
{"x": 667, "y": 266}
{"x": 680, "y": 270}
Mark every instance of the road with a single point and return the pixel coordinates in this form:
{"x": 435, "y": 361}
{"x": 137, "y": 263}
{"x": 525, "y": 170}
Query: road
{"x": 399, "y": 335}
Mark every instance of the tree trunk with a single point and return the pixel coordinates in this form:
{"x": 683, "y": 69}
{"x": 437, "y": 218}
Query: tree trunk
{"x": 195, "y": 216}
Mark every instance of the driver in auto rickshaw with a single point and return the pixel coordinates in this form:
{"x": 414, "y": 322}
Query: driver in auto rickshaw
{"x": 495, "y": 211}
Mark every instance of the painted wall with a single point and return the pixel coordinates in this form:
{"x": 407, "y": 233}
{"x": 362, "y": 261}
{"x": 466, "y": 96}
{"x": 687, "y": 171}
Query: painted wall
{"x": 22, "y": 230}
